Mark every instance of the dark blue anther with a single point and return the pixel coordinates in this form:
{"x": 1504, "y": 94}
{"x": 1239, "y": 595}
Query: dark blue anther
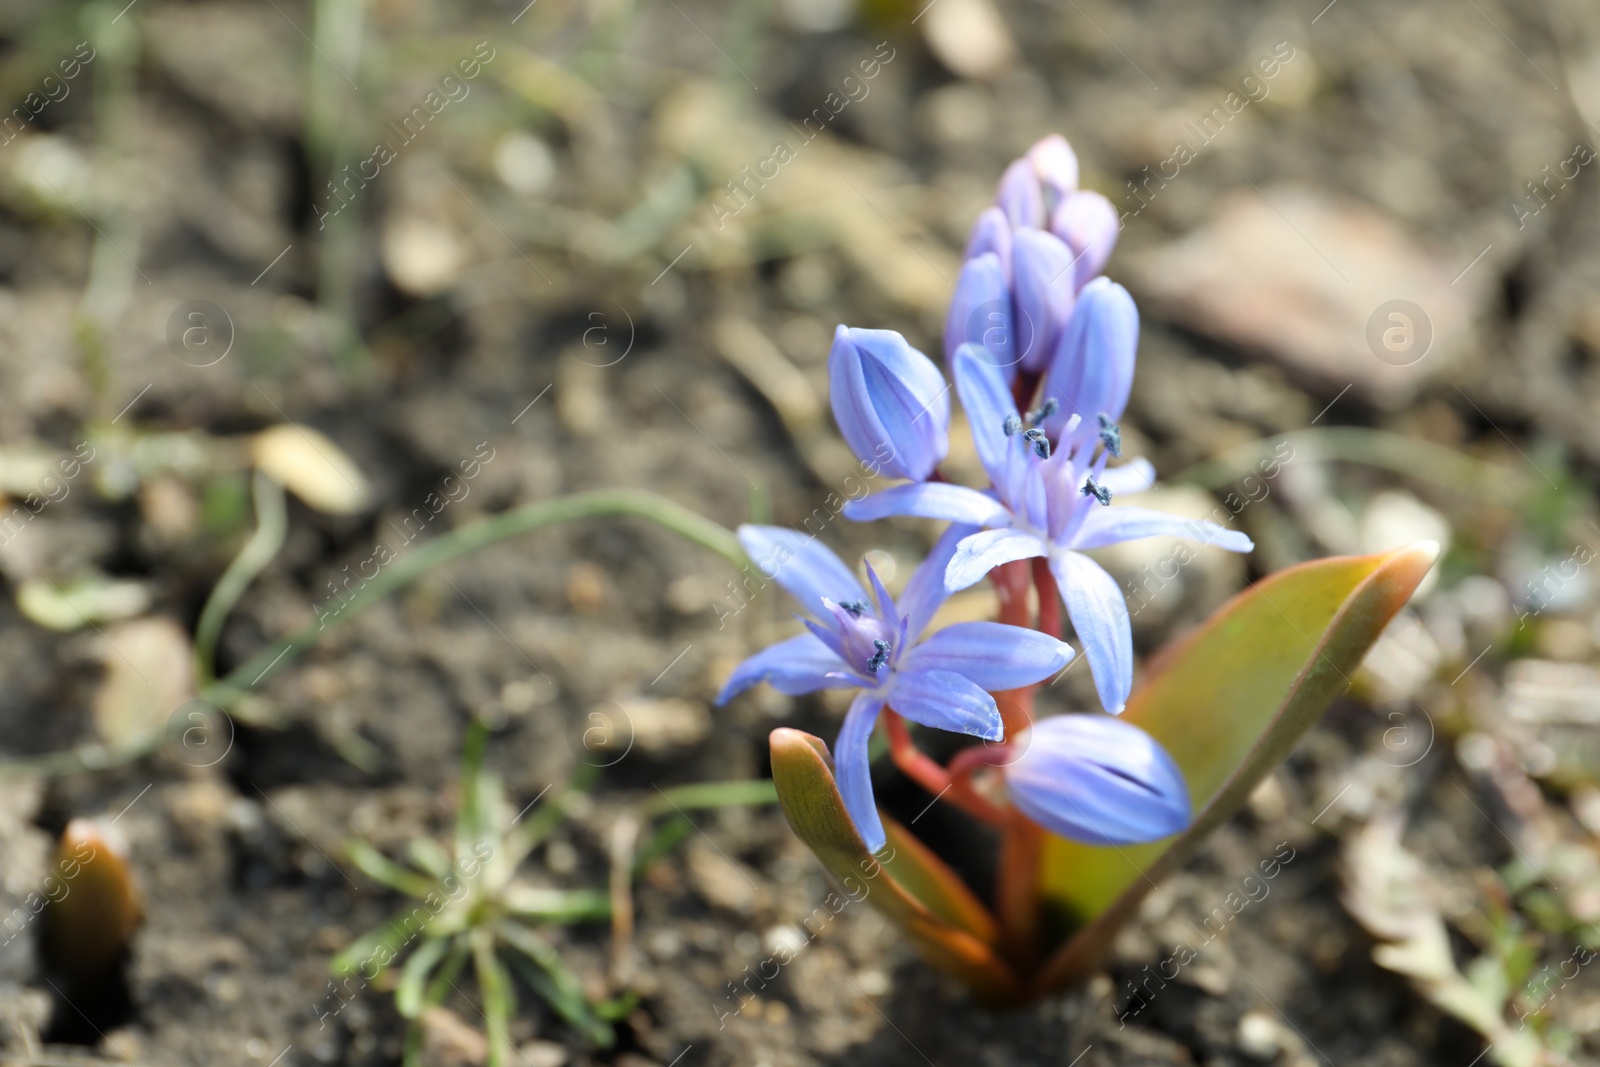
{"x": 1110, "y": 435}
{"x": 1041, "y": 443}
{"x": 1098, "y": 491}
{"x": 854, "y": 607}
{"x": 880, "y": 657}
{"x": 1011, "y": 425}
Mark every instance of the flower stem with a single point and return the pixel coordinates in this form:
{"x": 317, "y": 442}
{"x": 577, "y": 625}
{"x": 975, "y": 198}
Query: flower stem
{"x": 1017, "y": 890}
{"x": 1049, "y": 597}
{"x": 916, "y": 764}
{"x": 1011, "y": 583}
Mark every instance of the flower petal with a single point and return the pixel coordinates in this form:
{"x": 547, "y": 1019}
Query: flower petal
{"x": 852, "y": 769}
{"x": 981, "y": 314}
{"x": 925, "y": 591}
{"x": 1099, "y": 780}
{"x": 1088, "y": 223}
{"x": 1092, "y": 369}
{"x": 946, "y": 701}
{"x": 1055, "y": 164}
{"x": 991, "y": 233}
{"x": 987, "y": 398}
{"x": 887, "y": 396}
{"x": 1135, "y": 476}
{"x": 1099, "y": 616}
{"x": 1019, "y": 195}
{"x": 1110, "y": 526}
{"x": 930, "y": 500}
{"x": 977, "y": 555}
{"x": 993, "y": 655}
{"x": 800, "y": 563}
{"x": 1044, "y": 288}
{"x": 799, "y": 665}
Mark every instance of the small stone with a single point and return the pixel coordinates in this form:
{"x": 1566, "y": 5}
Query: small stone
{"x": 449, "y": 1041}
{"x": 542, "y": 1054}
{"x": 588, "y": 587}
{"x": 1337, "y": 292}
{"x": 719, "y": 880}
{"x": 1267, "y": 801}
{"x": 423, "y": 258}
{"x": 658, "y": 726}
{"x": 872, "y": 982}
{"x": 969, "y": 37}
{"x": 1258, "y": 1036}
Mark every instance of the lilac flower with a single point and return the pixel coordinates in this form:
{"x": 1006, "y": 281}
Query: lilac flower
{"x": 1027, "y": 257}
{"x": 877, "y": 646}
{"x": 890, "y": 401}
{"x": 1050, "y": 482}
{"x": 1097, "y": 779}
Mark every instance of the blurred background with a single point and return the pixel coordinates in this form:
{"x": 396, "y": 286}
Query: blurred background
{"x": 421, "y": 263}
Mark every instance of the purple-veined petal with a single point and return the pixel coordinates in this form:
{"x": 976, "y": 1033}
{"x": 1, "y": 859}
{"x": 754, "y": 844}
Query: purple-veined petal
{"x": 1099, "y": 615}
{"x": 930, "y": 500}
{"x": 800, "y": 563}
{"x": 977, "y": 555}
{"x": 881, "y": 595}
{"x": 945, "y": 701}
{"x": 923, "y": 594}
{"x": 1135, "y": 476}
{"x": 1097, "y": 779}
{"x": 852, "y": 769}
{"x": 987, "y": 398}
{"x": 1092, "y": 371}
{"x": 1055, "y": 164}
{"x": 890, "y": 401}
{"x": 981, "y": 314}
{"x": 991, "y": 233}
{"x": 993, "y": 655}
{"x": 799, "y": 665}
{"x": 1088, "y": 223}
{"x": 1044, "y": 288}
{"x": 1109, "y": 526}
{"x": 1019, "y": 195}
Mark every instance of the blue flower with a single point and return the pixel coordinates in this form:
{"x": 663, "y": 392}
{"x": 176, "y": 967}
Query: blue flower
{"x": 1050, "y": 482}
{"x": 1027, "y": 257}
{"x": 890, "y": 401}
{"x": 1097, "y": 779}
{"x": 875, "y": 645}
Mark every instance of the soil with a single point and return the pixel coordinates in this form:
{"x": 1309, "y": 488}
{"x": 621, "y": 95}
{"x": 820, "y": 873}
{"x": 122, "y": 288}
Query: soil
{"x": 543, "y": 316}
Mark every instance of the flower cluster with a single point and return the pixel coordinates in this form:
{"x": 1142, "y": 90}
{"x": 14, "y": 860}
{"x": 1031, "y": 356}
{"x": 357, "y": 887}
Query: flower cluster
{"x": 1042, "y": 353}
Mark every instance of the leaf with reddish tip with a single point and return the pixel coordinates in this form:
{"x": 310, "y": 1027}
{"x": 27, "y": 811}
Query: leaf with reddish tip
{"x": 1229, "y": 702}
{"x": 906, "y": 882}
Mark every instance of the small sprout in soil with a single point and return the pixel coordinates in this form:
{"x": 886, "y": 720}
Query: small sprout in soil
{"x": 91, "y": 919}
{"x": 473, "y": 908}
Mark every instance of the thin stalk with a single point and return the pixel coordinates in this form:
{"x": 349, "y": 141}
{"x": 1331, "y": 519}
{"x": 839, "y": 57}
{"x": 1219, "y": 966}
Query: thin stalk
{"x": 1017, "y": 890}
{"x": 272, "y": 524}
{"x": 917, "y": 765}
{"x": 466, "y": 540}
{"x": 1049, "y": 597}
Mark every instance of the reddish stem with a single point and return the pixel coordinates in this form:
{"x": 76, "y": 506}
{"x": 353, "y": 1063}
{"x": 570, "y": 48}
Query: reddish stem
{"x": 1017, "y": 890}
{"x": 1049, "y": 597}
{"x": 917, "y": 765}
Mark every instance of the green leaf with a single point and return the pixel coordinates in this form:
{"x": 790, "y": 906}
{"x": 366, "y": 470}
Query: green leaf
{"x": 542, "y": 968}
{"x": 910, "y": 885}
{"x": 381, "y": 868}
{"x": 1229, "y": 702}
{"x": 408, "y": 994}
{"x": 499, "y": 995}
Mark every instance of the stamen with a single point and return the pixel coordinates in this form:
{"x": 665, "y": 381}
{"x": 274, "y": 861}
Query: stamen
{"x": 1011, "y": 425}
{"x": 1044, "y": 411}
{"x": 1098, "y": 491}
{"x": 880, "y": 657}
{"x": 854, "y": 607}
{"x": 1041, "y": 443}
{"x": 1110, "y": 435}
